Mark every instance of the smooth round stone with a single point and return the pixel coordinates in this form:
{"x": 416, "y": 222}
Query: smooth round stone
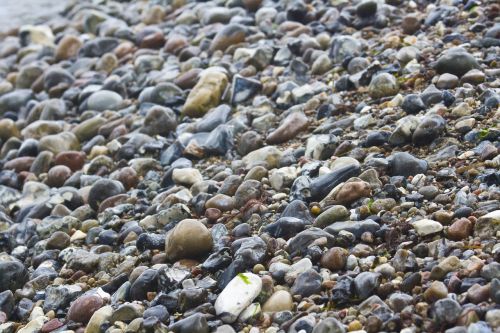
{"x": 104, "y": 100}
{"x": 288, "y": 129}
{"x": 334, "y": 259}
{"x": 281, "y": 300}
{"x": 127, "y": 176}
{"x": 58, "y": 240}
{"x": 190, "y": 239}
{"x": 67, "y": 47}
{"x": 221, "y": 201}
{"x": 83, "y": 308}
{"x": 410, "y": 24}
{"x": 474, "y": 76}
{"x": 19, "y": 164}
{"x": 103, "y": 189}
{"x": 456, "y": 62}
{"x": 383, "y": 85}
{"x": 366, "y": 8}
{"x": 405, "y": 164}
{"x": 57, "y": 175}
{"x": 413, "y": 104}
{"x": 159, "y": 121}
{"x": 74, "y": 160}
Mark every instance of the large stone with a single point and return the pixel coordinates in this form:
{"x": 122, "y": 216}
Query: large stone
{"x": 190, "y": 239}
{"x": 231, "y": 34}
{"x": 456, "y": 62}
{"x": 237, "y": 295}
{"x": 206, "y": 94}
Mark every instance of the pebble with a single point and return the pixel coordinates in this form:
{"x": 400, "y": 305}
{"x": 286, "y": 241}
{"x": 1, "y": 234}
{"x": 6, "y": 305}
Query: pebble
{"x": 253, "y": 166}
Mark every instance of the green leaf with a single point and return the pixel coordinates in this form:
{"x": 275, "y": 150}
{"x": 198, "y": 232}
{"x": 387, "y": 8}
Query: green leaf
{"x": 244, "y": 278}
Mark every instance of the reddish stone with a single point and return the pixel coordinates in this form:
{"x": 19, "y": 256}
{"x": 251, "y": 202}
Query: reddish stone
{"x": 51, "y": 325}
{"x": 153, "y": 41}
{"x": 19, "y": 164}
{"x": 128, "y": 177}
{"x": 72, "y": 159}
{"x": 82, "y": 309}
{"x": 57, "y": 175}
{"x": 460, "y": 229}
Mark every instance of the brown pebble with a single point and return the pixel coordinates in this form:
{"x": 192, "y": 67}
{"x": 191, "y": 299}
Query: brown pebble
{"x": 57, "y": 175}
{"x": 82, "y": 309}
{"x": 460, "y": 229}
{"x": 334, "y": 259}
{"x": 72, "y": 159}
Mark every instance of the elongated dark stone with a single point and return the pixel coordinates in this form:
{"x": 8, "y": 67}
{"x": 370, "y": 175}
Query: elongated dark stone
{"x": 322, "y": 185}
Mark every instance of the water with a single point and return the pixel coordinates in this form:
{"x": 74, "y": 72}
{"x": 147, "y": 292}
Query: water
{"x": 15, "y": 13}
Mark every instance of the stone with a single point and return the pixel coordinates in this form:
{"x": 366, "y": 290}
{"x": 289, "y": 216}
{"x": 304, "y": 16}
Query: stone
{"x": 248, "y": 190}
{"x": 237, "y": 295}
{"x": 58, "y": 240}
{"x": 13, "y": 275}
{"x": 61, "y": 142}
{"x": 268, "y": 156}
{"x": 68, "y": 47}
{"x": 334, "y": 259}
{"x": 196, "y": 323}
{"x": 206, "y": 94}
{"x": 244, "y": 89}
{"x": 331, "y": 215}
{"x": 457, "y": 62}
{"x": 186, "y": 176}
{"x": 383, "y": 85}
{"x": 437, "y": 290}
{"x": 84, "y": 307}
{"x": 366, "y": 8}
{"x": 288, "y": 129}
{"x": 488, "y": 225}
{"x": 352, "y": 191}
{"x": 366, "y": 284}
{"x": 429, "y": 129}
{"x": 159, "y": 121}
{"x": 98, "y": 318}
{"x": 405, "y": 164}
{"x": 190, "y": 239}
{"x": 280, "y": 300}
{"x": 427, "y": 227}
{"x": 102, "y": 190}
{"x": 446, "y": 311}
{"x": 104, "y": 100}
{"x": 307, "y": 283}
{"x": 229, "y": 35}
{"x": 329, "y": 325}
{"x": 460, "y": 229}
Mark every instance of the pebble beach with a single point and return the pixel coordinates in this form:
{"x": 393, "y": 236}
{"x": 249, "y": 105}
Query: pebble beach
{"x": 253, "y": 166}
